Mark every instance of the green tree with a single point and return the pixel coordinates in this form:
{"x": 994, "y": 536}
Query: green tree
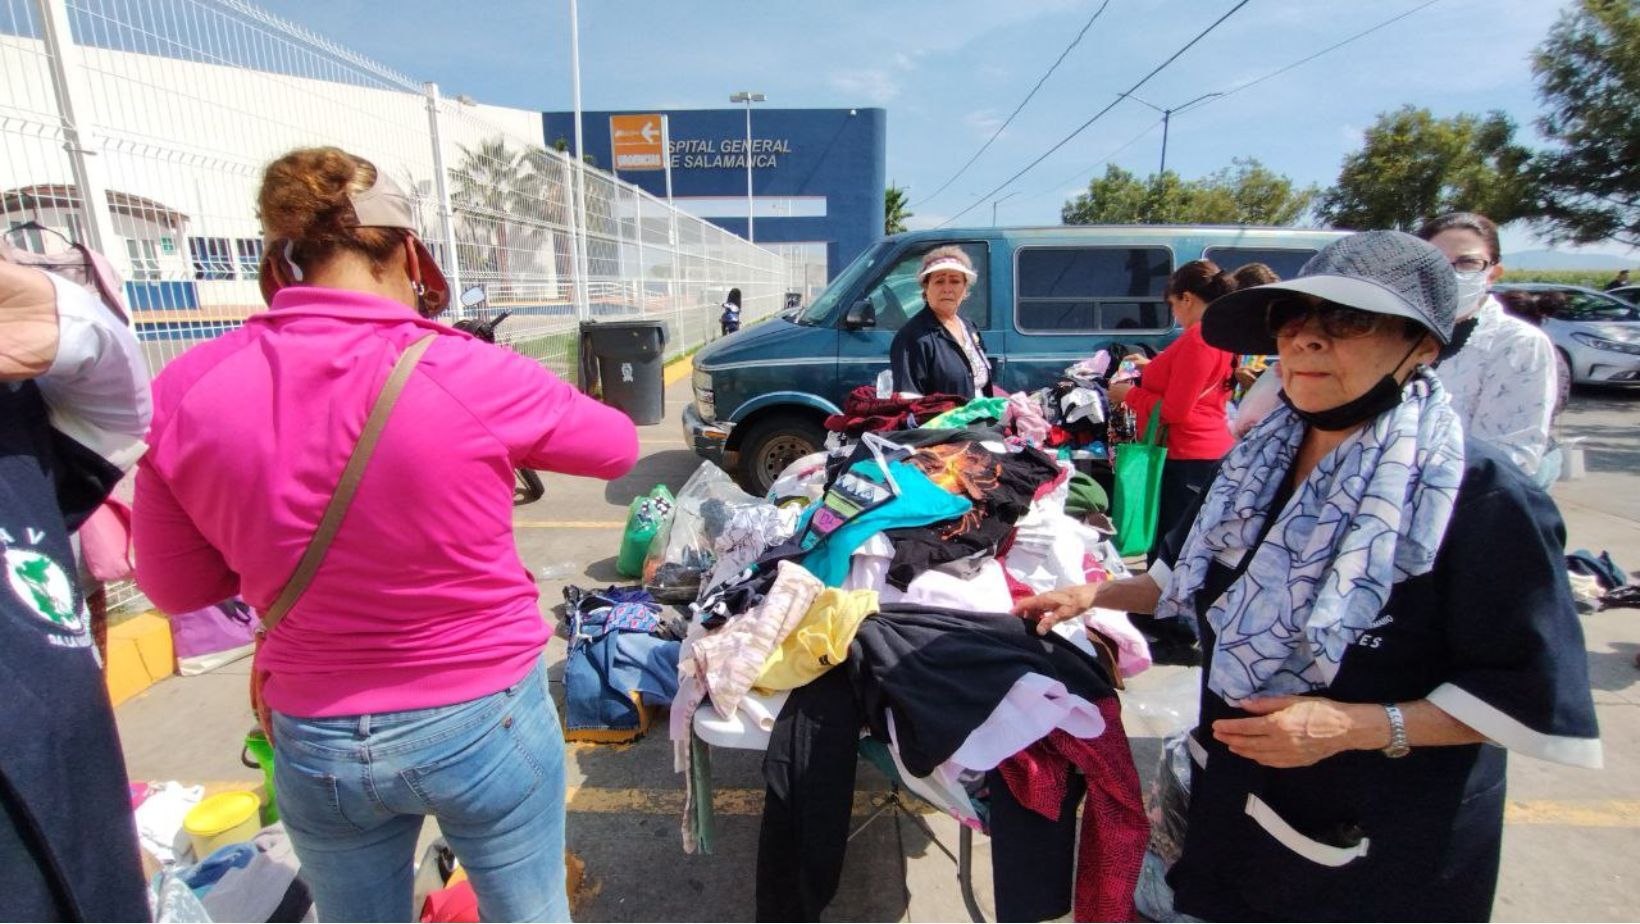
{"x": 895, "y": 211}
{"x": 1588, "y": 78}
{"x": 1413, "y": 166}
{"x": 487, "y": 185}
{"x": 1245, "y": 193}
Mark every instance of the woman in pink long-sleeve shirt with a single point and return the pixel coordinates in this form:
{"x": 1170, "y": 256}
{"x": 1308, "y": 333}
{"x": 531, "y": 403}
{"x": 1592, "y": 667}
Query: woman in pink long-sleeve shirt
{"x": 408, "y": 679}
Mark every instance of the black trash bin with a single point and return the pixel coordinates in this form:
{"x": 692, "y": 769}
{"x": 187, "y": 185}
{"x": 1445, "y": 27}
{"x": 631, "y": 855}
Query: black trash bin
{"x": 624, "y": 358}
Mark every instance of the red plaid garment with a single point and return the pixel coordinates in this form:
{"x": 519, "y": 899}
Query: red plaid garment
{"x": 1114, "y": 826}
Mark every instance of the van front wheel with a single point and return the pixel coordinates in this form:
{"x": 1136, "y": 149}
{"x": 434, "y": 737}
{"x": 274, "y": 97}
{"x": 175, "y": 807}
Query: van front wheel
{"x": 771, "y": 445}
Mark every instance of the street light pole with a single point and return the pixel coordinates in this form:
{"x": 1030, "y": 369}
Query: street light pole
{"x": 748, "y": 97}
{"x": 1167, "y": 118}
{"x": 583, "y": 292}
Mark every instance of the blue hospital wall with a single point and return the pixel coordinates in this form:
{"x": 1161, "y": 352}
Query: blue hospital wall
{"x": 840, "y": 154}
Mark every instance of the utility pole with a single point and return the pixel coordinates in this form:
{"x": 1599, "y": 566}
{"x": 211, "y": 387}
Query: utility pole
{"x": 998, "y": 201}
{"x": 1167, "y": 118}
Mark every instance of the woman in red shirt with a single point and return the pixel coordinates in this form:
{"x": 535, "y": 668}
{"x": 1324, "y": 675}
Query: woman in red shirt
{"x": 1192, "y": 382}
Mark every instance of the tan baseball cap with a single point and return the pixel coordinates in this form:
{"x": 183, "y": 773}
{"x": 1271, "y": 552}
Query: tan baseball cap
{"x": 385, "y": 205}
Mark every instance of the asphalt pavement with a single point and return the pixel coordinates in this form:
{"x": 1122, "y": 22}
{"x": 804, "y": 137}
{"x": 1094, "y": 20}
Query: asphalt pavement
{"x": 1569, "y": 846}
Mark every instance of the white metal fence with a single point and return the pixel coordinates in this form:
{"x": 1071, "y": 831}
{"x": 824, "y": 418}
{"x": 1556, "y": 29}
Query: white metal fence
{"x": 142, "y": 127}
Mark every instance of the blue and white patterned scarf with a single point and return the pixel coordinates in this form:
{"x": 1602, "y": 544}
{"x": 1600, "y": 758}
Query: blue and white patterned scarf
{"x": 1372, "y": 513}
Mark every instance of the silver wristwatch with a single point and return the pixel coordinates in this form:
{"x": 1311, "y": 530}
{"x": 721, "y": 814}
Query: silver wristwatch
{"x": 1398, "y": 746}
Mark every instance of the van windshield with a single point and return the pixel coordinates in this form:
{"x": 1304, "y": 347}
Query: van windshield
{"x": 820, "y": 312}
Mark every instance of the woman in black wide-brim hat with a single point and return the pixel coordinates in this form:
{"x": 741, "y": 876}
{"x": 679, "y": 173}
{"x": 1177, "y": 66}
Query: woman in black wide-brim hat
{"x": 1383, "y": 608}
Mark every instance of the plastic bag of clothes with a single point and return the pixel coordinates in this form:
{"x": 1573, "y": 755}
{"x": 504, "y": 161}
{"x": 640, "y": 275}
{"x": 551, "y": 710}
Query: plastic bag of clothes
{"x": 645, "y": 517}
{"x": 1168, "y": 802}
{"x": 683, "y": 551}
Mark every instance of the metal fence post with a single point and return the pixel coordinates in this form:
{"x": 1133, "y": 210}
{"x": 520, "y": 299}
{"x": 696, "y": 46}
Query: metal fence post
{"x": 73, "y": 105}
{"x": 446, "y": 214}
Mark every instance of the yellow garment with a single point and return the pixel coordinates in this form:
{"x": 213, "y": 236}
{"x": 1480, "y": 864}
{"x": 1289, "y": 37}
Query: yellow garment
{"x": 820, "y": 642}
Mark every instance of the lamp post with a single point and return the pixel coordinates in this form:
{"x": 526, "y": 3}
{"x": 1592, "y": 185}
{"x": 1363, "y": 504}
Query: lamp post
{"x": 583, "y": 294}
{"x": 748, "y": 97}
{"x": 1167, "y": 116}
{"x": 996, "y": 202}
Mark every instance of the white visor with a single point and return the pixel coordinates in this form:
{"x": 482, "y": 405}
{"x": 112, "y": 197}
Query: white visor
{"x": 947, "y": 263}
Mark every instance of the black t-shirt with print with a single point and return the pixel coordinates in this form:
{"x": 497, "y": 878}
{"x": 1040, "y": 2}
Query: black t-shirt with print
{"x": 68, "y": 846}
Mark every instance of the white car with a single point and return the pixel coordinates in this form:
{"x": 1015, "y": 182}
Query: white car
{"x": 1596, "y": 334}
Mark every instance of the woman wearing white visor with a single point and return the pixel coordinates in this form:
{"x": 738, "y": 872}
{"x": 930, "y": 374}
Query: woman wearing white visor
{"x": 938, "y": 352}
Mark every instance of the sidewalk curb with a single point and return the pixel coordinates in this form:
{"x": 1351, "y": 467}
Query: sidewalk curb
{"x": 678, "y": 371}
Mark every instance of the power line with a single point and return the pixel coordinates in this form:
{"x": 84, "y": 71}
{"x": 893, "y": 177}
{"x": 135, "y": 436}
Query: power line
{"x": 1083, "y": 171}
{"x": 1100, "y": 114}
{"x": 996, "y": 134}
{"x": 1302, "y": 61}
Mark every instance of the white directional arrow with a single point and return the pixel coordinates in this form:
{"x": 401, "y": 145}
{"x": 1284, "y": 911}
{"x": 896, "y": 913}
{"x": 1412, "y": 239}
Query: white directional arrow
{"x": 648, "y": 132}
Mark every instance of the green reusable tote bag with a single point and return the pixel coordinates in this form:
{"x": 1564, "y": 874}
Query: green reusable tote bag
{"x": 1139, "y": 488}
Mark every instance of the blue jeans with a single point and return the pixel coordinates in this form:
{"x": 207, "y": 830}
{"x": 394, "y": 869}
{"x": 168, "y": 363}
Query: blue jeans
{"x": 353, "y": 792}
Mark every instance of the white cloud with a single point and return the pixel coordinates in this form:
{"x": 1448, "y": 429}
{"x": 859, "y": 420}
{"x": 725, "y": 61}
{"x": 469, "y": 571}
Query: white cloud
{"x": 908, "y": 60}
{"x": 1353, "y": 136}
{"x": 873, "y": 85}
{"x": 983, "y": 121}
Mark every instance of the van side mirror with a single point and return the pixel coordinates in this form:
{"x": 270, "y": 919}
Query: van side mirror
{"x": 861, "y": 314}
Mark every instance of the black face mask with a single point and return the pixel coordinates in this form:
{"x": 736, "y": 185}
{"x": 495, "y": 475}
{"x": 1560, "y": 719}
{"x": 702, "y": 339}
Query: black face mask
{"x": 1382, "y": 396}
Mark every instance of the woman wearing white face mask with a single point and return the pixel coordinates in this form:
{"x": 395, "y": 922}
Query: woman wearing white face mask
{"x": 1499, "y": 370}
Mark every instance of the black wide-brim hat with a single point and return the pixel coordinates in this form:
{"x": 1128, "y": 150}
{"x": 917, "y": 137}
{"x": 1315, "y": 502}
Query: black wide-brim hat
{"x": 1384, "y": 272}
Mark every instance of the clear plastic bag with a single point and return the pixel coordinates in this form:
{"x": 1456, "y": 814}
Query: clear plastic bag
{"x": 683, "y": 551}
{"x": 1171, "y": 706}
{"x": 1168, "y": 803}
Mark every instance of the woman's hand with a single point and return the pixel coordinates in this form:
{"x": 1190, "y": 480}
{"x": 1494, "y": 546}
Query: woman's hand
{"x": 1138, "y": 359}
{"x": 1056, "y": 606}
{"x": 1297, "y": 731}
{"x": 1246, "y": 376}
{"x": 1118, "y": 392}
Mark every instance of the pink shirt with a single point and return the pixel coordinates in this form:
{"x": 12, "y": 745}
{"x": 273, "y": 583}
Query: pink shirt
{"x": 422, "y": 600}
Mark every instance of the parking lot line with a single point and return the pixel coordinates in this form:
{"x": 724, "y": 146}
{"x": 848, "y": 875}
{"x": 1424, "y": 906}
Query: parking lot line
{"x": 568, "y": 524}
{"x": 748, "y": 802}
{"x": 744, "y": 802}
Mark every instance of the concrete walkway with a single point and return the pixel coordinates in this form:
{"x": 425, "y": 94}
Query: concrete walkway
{"x": 1569, "y": 851}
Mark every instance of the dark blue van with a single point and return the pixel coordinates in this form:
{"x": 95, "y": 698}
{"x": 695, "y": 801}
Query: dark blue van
{"x": 1045, "y": 298}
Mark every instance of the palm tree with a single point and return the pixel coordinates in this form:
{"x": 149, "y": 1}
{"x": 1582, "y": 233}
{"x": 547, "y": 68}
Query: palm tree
{"x": 895, "y": 211}
{"x": 486, "y": 190}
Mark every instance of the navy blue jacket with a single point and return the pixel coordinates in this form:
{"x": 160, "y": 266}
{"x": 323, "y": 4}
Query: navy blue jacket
{"x": 927, "y": 360}
{"x": 68, "y": 842}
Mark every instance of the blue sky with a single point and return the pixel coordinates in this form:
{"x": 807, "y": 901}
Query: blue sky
{"x": 949, "y": 72}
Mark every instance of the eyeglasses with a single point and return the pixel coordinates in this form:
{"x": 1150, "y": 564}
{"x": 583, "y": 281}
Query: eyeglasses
{"x": 1340, "y": 322}
{"x": 1467, "y": 265}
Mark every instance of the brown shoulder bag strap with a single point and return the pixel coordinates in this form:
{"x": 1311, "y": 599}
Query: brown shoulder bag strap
{"x": 352, "y": 474}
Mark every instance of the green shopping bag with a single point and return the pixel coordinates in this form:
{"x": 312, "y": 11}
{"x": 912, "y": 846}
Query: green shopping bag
{"x": 1138, "y": 468}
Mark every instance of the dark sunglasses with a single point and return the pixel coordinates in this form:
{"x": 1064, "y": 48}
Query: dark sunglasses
{"x": 1287, "y": 318}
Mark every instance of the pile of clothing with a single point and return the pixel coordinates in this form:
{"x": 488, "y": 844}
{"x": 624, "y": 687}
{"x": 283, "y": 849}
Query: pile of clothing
{"x": 888, "y": 611}
{"x": 1599, "y": 583}
{"x": 623, "y": 660}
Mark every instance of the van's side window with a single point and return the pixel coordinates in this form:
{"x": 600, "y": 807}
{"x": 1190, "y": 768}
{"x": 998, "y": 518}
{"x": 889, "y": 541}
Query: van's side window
{"x": 1285, "y": 262}
{"x": 898, "y": 295}
{"x": 1076, "y": 289}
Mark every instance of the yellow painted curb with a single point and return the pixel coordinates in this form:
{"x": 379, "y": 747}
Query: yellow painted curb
{"x": 678, "y": 371}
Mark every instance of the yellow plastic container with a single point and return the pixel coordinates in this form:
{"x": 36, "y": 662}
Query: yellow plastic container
{"x": 223, "y": 819}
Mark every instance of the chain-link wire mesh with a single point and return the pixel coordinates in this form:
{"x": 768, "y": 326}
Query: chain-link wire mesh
{"x": 168, "y": 111}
